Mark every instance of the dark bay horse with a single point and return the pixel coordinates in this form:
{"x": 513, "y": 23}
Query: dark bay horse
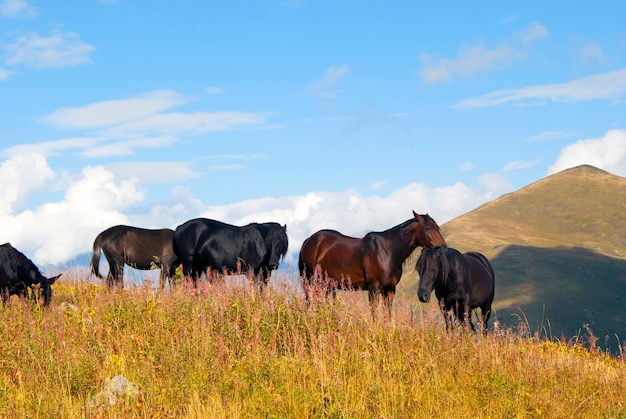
{"x": 373, "y": 263}
{"x": 462, "y": 283}
{"x": 203, "y": 243}
{"x": 136, "y": 247}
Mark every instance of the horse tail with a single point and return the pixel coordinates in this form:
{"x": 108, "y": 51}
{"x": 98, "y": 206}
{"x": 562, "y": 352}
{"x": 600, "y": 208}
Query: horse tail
{"x": 301, "y": 266}
{"x": 95, "y": 256}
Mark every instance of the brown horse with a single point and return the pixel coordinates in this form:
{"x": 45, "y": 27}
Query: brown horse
{"x": 373, "y": 263}
{"x": 139, "y": 248}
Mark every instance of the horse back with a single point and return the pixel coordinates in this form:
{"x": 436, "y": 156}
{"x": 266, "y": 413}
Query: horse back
{"x": 481, "y": 274}
{"x": 338, "y": 255}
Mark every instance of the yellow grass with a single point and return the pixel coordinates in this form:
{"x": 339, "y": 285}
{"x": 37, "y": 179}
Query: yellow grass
{"x": 226, "y": 350}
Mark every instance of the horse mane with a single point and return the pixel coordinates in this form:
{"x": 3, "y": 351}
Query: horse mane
{"x": 442, "y": 255}
{"x": 439, "y": 254}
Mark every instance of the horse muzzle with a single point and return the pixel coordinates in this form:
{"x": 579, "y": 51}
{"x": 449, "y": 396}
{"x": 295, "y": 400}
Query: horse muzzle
{"x": 424, "y": 296}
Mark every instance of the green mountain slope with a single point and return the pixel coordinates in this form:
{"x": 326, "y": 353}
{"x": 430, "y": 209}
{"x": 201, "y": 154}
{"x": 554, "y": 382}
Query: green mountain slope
{"x": 558, "y": 247}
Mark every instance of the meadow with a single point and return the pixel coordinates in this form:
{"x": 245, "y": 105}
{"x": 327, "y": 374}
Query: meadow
{"x": 226, "y": 350}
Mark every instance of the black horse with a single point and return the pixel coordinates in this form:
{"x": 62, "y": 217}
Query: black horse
{"x": 202, "y": 244}
{"x": 462, "y": 283}
{"x": 18, "y": 275}
{"x": 136, "y": 247}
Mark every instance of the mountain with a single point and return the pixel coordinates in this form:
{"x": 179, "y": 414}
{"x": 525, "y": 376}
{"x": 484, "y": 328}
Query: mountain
{"x": 558, "y": 248}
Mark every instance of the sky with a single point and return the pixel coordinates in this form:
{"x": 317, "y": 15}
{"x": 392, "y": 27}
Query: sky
{"x": 315, "y": 114}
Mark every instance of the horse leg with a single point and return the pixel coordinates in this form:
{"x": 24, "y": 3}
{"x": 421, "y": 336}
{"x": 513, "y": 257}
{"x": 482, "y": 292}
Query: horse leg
{"x": 163, "y": 276}
{"x": 464, "y": 315}
{"x": 115, "y": 277}
{"x": 485, "y": 313}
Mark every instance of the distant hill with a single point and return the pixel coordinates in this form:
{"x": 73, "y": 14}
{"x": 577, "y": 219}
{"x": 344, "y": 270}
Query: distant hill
{"x": 558, "y": 247}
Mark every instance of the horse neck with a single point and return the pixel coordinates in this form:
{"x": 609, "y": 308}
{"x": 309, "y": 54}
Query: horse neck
{"x": 403, "y": 240}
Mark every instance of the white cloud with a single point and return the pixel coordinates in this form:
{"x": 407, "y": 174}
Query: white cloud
{"x": 323, "y": 86}
{"x": 548, "y": 136}
{"x": 153, "y": 172}
{"x": 214, "y": 90}
{"x": 354, "y": 214}
{"x": 50, "y": 147}
{"x": 467, "y": 166}
{"x": 609, "y": 86}
{"x": 518, "y": 165}
{"x": 20, "y": 176}
{"x": 115, "y": 112}
{"x": 534, "y": 32}
{"x": 101, "y": 196}
{"x": 57, "y": 231}
{"x": 17, "y": 8}
{"x": 56, "y": 51}
{"x": 4, "y": 73}
{"x": 472, "y": 59}
{"x": 188, "y": 123}
{"x": 591, "y": 53}
{"x": 607, "y": 153}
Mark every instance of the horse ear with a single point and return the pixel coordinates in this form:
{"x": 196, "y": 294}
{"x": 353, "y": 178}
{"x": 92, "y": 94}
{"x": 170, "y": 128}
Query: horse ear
{"x": 285, "y": 227}
{"x": 416, "y": 215}
{"x": 52, "y": 279}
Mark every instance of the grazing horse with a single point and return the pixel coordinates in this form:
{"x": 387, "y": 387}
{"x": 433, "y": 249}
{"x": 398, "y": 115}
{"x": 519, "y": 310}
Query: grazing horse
{"x": 373, "y": 263}
{"x": 462, "y": 283}
{"x": 136, "y": 247}
{"x": 18, "y": 274}
{"x": 202, "y": 243}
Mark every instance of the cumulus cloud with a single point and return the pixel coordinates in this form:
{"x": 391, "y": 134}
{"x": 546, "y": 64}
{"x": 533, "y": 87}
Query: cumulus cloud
{"x": 607, "y": 152}
{"x": 475, "y": 58}
{"x": 20, "y": 176}
{"x": 57, "y": 231}
{"x": 101, "y": 196}
{"x": 55, "y": 51}
{"x": 354, "y": 214}
{"x": 608, "y": 86}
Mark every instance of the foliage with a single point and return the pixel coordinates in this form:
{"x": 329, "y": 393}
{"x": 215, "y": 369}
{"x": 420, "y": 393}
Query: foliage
{"x": 230, "y": 350}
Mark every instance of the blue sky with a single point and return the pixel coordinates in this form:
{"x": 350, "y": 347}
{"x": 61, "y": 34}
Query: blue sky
{"x": 315, "y": 114}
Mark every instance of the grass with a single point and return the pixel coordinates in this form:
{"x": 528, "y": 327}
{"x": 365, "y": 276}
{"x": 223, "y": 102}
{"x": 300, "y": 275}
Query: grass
{"x": 228, "y": 350}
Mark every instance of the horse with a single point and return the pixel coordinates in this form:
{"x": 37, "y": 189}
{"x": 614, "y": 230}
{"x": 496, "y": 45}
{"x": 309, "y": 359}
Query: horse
{"x": 18, "y": 274}
{"x": 462, "y": 282}
{"x": 276, "y": 243}
{"x": 203, "y": 243}
{"x": 138, "y": 248}
{"x": 372, "y": 263}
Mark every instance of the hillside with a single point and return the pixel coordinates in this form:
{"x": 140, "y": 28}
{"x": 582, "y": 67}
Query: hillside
{"x": 558, "y": 247}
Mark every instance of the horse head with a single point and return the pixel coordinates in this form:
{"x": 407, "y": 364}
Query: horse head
{"x": 45, "y": 289}
{"x": 433, "y": 268}
{"x": 430, "y": 236}
{"x": 277, "y": 243}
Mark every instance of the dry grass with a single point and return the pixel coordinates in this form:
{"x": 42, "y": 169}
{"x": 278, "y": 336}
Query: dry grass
{"x": 227, "y": 350}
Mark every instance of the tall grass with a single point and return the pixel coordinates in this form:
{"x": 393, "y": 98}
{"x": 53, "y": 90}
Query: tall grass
{"x": 228, "y": 350}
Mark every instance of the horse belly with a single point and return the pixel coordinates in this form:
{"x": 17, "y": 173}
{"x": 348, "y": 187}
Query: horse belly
{"x": 340, "y": 264}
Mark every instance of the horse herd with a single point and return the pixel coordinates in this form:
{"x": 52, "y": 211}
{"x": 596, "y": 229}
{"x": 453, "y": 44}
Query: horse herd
{"x": 328, "y": 258}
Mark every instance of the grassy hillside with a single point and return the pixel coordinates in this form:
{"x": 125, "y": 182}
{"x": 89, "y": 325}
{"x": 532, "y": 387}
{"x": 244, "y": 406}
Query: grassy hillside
{"x": 228, "y": 351}
{"x": 558, "y": 247}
